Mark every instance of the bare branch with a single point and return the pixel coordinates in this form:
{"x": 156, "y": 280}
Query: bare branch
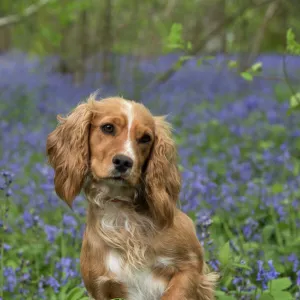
{"x": 29, "y": 11}
{"x": 271, "y": 11}
{"x": 199, "y": 46}
{"x": 169, "y": 8}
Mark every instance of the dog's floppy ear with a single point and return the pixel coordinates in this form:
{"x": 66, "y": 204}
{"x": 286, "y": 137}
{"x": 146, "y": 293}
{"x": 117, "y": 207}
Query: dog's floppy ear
{"x": 68, "y": 152}
{"x": 162, "y": 177}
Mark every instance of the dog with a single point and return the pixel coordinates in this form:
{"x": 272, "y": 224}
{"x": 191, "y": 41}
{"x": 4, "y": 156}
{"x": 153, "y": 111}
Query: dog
{"x": 137, "y": 244}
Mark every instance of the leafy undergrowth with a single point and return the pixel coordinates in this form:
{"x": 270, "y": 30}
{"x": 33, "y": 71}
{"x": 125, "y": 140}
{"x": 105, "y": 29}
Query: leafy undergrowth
{"x": 239, "y": 156}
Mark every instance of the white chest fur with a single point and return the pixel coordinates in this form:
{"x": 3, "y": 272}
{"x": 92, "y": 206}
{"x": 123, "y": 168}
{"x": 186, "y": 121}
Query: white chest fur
{"x": 140, "y": 283}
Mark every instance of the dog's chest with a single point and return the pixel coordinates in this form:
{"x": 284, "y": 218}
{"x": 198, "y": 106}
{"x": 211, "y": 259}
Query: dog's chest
{"x": 141, "y": 283}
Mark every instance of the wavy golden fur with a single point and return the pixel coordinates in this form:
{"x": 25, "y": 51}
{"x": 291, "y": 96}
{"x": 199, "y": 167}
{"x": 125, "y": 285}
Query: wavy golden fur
{"x": 68, "y": 152}
{"x": 137, "y": 243}
{"x": 162, "y": 179}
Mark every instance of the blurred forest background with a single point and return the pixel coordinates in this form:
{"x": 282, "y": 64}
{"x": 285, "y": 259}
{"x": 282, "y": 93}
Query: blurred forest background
{"x": 89, "y": 33}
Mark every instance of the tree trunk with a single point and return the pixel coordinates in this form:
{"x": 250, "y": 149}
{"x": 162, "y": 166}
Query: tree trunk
{"x": 66, "y": 64}
{"x": 223, "y": 32}
{"x": 5, "y": 39}
{"x": 83, "y": 42}
{"x": 107, "y": 42}
{"x": 5, "y": 34}
{"x": 242, "y": 36}
{"x": 259, "y": 36}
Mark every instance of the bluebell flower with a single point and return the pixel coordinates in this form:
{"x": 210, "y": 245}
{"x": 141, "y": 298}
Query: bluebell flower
{"x": 214, "y": 264}
{"x": 249, "y": 228}
{"x": 25, "y": 277}
{"x": 66, "y": 266}
{"x": 52, "y": 282}
{"x": 262, "y": 275}
{"x": 265, "y": 276}
{"x": 6, "y": 247}
{"x": 41, "y": 284}
{"x": 69, "y": 221}
{"x": 272, "y": 274}
{"x": 51, "y": 232}
{"x": 28, "y": 219}
{"x": 295, "y": 260}
{"x": 237, "y": 281}
{"x": 10, "y": 279}
{"x": 70, "y": 225}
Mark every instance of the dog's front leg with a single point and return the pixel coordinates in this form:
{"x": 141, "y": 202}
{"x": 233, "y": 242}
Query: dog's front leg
{"x": 100, "y": 284}
{"x": 105, "y": 288}
{"x": 189, "y": 285}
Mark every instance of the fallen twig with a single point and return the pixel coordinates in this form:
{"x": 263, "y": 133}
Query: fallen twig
{"x": 29, "y": 11}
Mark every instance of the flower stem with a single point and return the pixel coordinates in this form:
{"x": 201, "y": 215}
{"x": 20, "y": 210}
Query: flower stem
{"x": 3, "y": 216}
{"x": 277, "y": 230}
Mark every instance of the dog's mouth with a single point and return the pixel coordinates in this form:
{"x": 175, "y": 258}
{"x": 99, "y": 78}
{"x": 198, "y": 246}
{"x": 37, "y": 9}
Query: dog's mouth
{"x": 116, "y": 179}
{"x": 119, "y": 181}
{"x": 116, "y": 189}
{"x": 118, "y": 200}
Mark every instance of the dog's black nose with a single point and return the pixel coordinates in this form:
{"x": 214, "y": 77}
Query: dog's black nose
{"x": 122, "y": 163}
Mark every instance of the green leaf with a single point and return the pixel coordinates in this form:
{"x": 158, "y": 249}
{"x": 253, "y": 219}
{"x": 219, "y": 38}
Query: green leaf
{"x": 280, "y": 295}
{"x": 46, "y": 32}
{"x": 174, "y": 40}
{"x": 280, "y": 284}
{"x": 241, "y": 266}
{"x": 258, "y": 291}
{"x": 226, "y": 297}
{"x": 224, "y": 254}
{"x": 295, "y": 101}
{"x": 185, "y": 58}
{"x": 209, "y": 57}
{"x": 63, "y": 292}
{"x": 216, "y": 220}
{"x": 75, "y": 294}
{"x": 296, "y": 170}
{"x": 267, "y": 232}
{"x": 222, "y": 296}
{"x": 251, "y": 246}
{"x": 176, "y": 28}
{"x": 292, "y": 46}
{"x": 11, "y": 263}
{"x": 219, "y": 293}
{"x": 277, "y": 188}
{"x": 180, "y": 167}
{"x": 266, "y": 144}
{"x": 247, "y": 76}
{"x": 257, "y": 67}
{"x": 266, "y": 297}
{"x": 295, "y": 243}
{"x": 175, "y": 46}
{"x": 228, "y": 280}
{"x": 199, "y": 62}
{"x": 214, "y": 122}
{"x": 51, "y": 35}
{"x": 232, "y": 64}
{"x": 189, "y": 46}
{"x": 283, "y": 226}
{"x": 192, "y": 215}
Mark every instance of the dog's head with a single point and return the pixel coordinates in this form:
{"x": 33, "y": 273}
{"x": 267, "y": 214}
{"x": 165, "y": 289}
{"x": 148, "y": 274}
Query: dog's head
{"x": 120, "y": 143}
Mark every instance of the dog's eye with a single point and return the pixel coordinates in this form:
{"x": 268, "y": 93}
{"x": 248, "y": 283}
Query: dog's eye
{"x": 146, "y": 138}
{"x": 108, "y": 129}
